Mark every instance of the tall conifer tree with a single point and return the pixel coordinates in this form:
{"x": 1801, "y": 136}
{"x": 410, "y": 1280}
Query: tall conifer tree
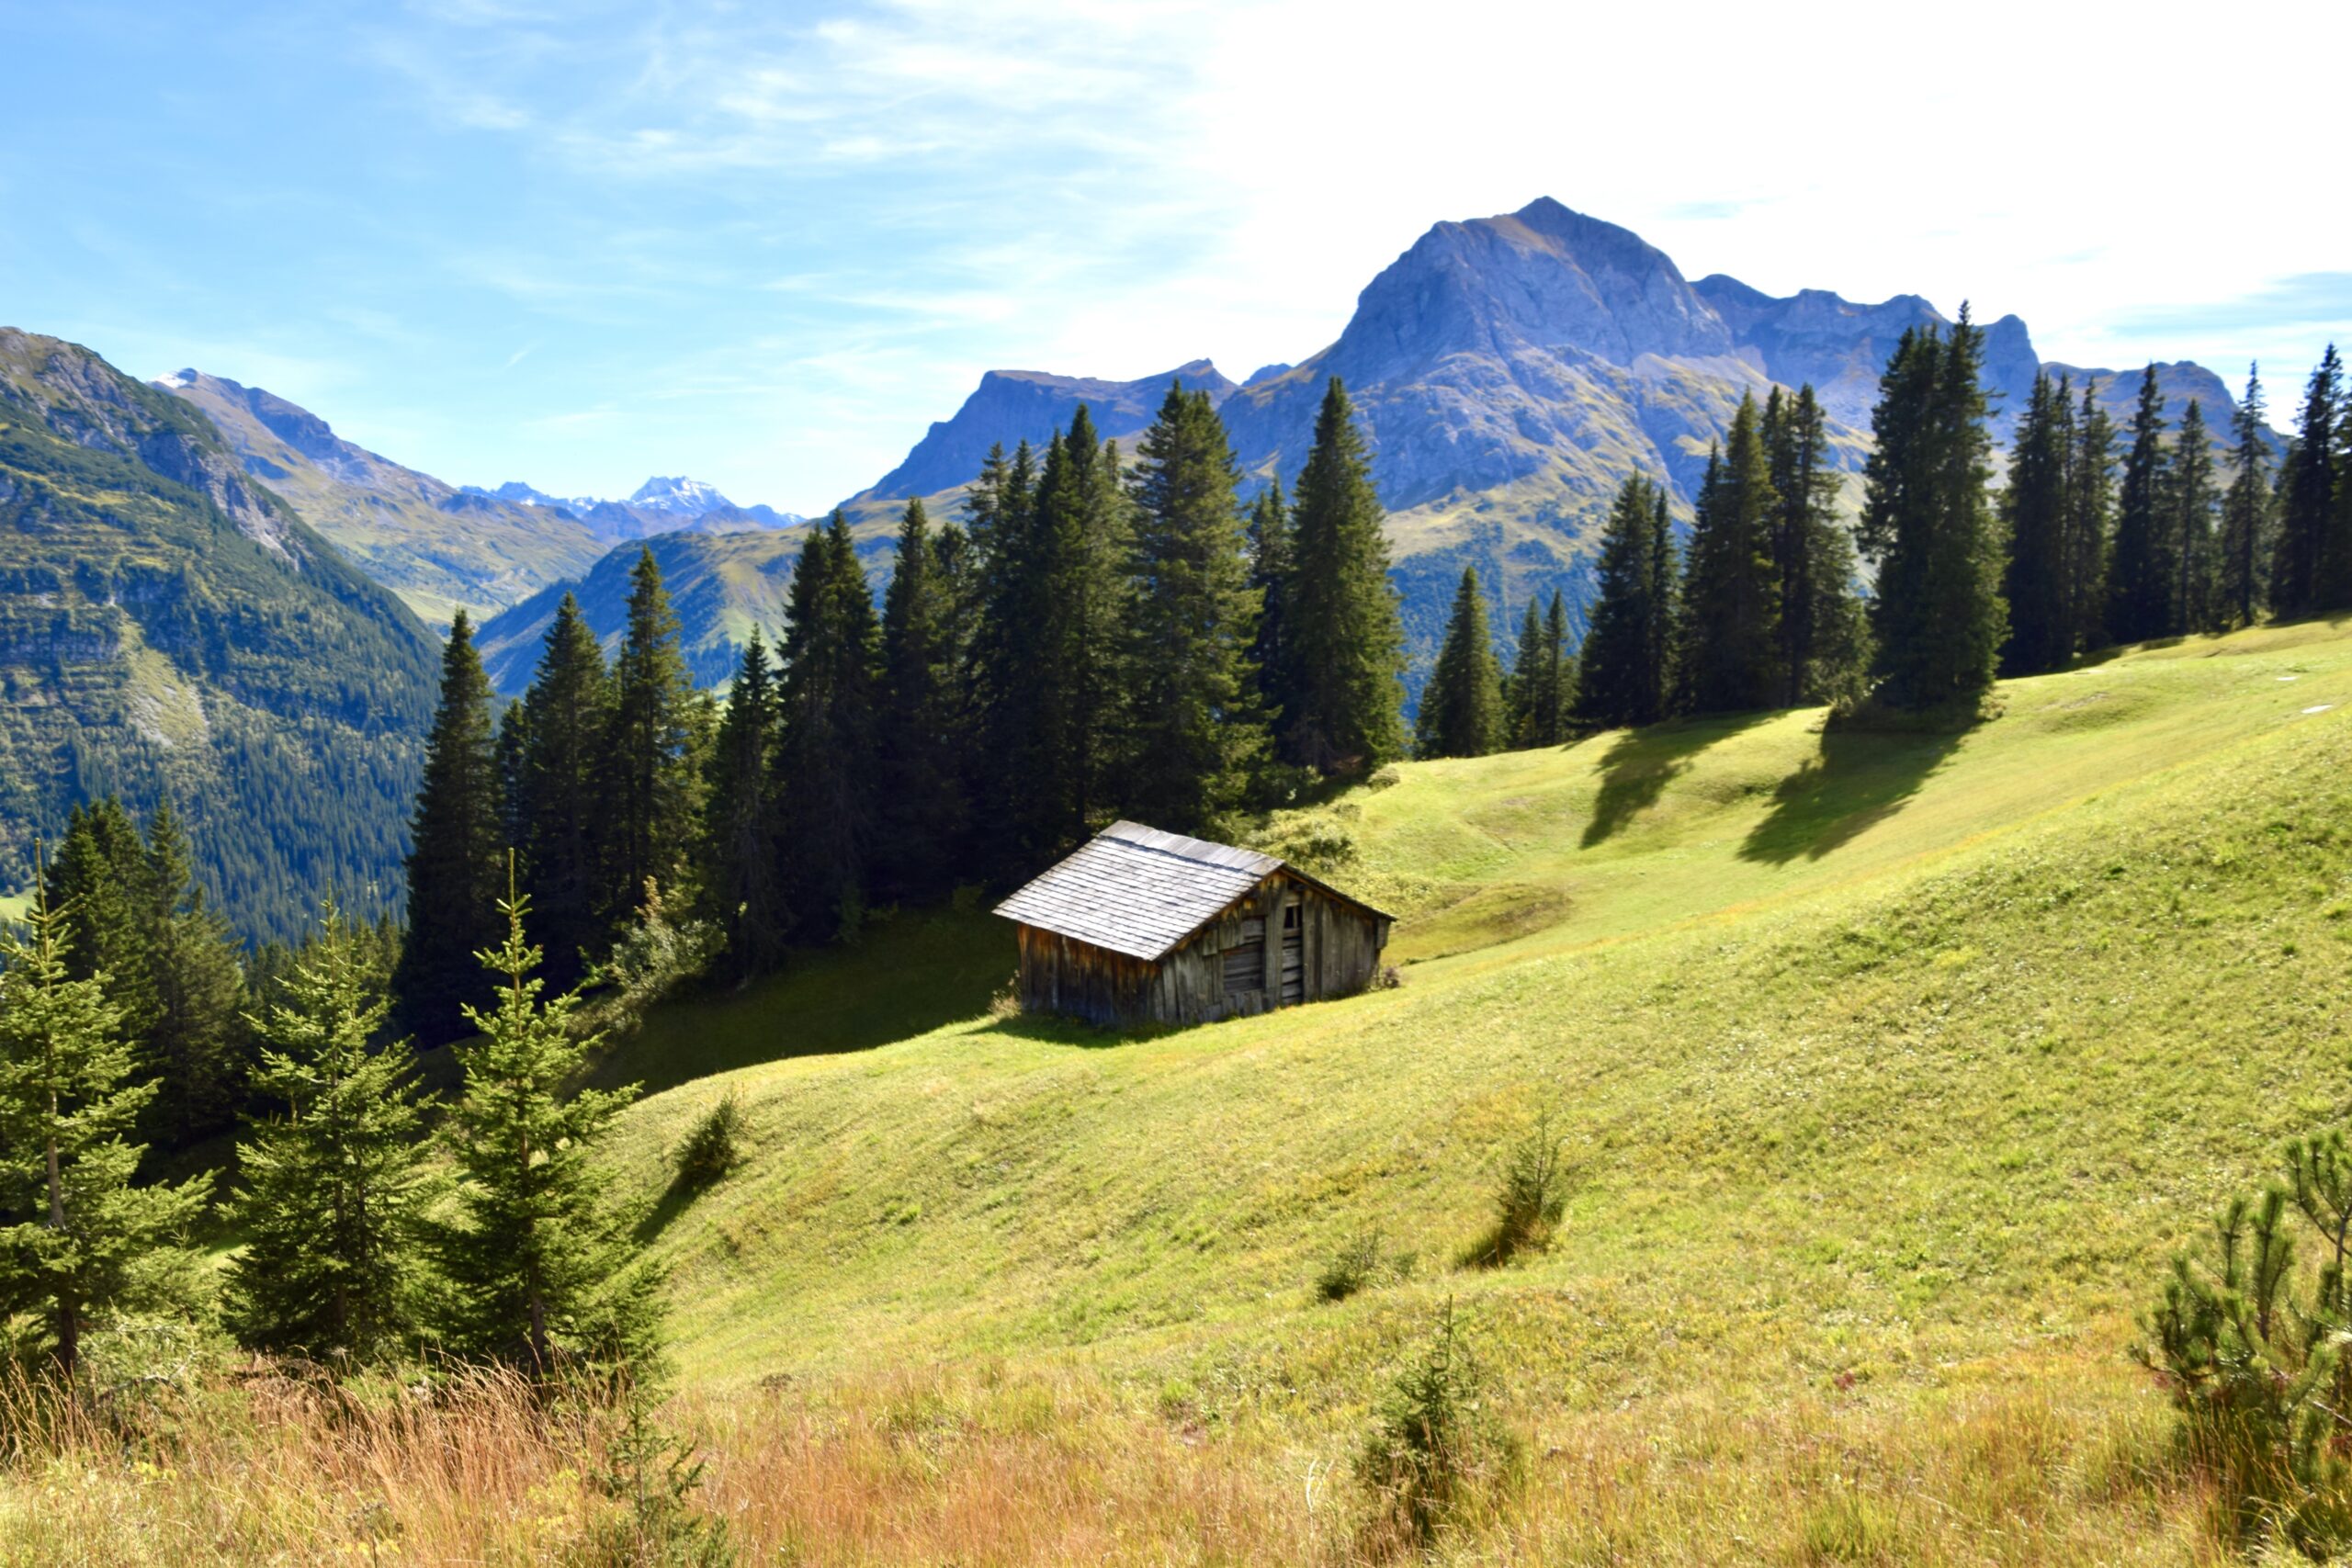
{"x": 1820, "y": 631}
{"x": 825, "y": 758}
{"x": 82, "y": 1242}
{"x": 1196, "y": 735}
{"x": 1731, "y": 588}
{"x": 1272, "y": 560}
{"x": 1348, "y": 645}
{"x": 98, "y": 884}
{"x": 1084, "y": 537}
{"x": 650, "y": 781}
{"x": 2041, "y": 631}
{"x": 1623, "y": 672}
{"x": 1928, "y": 523}
{"x": 196, "y": 1046}
{"x": 1003, "y": 700}
{"x": 456, "y": 859}
{"x": 2090, "y": 514}
{"x": 2305, "y": 557}
{"x": 921, "y": 795}
{"x": 1529, "y": 667}
{"x": 1462, "y": 707}
{"x": 333, "y": 1181}
{"x": 560, "y": 807}
{"x": 1550, "y": 712}
{"x": 539, "y": 1269}
{"x": 2140, "y": 577}
{"x": 2189, "y": 524}
{"x": 739, "y": 880}
{"x": 2238, "y": 569}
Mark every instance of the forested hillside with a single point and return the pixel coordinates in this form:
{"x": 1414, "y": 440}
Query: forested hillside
{"x": 170, "y": 628}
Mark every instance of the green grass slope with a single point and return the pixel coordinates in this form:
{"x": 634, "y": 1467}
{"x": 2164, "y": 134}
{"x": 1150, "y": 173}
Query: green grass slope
{"x": 1890, "y": 1069}
{"x": 1747, "y": 963}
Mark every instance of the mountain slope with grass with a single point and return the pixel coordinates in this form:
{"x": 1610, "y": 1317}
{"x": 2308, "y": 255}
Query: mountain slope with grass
{"x": 1888, "y": 1069}
{"x": 169, "y": 626}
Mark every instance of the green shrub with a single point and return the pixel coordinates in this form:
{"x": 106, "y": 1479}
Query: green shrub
{"x": 1528, "y": 1205}
{"x": 712, "y": 1149}
{"x": 2251, "y": 1344}
{"x": 650, "y": 1478}
{"x": 1438, "y": 1453}
{"x": 1352, "y": 1268}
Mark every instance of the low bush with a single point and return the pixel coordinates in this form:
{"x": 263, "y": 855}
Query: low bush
{"x": 713, "y": 1148}
{"x": 1353, "y": 1267}
{"x": 1438, "y": 1454}
{"x": 2251, "y": 1343}
{"x": 1528, "y": 1205}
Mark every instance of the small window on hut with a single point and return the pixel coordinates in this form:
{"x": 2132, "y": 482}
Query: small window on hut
{"x": 1290, "y": 917}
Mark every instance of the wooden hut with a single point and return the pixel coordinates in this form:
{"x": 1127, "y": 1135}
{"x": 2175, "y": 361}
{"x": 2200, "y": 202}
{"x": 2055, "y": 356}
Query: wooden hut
{"x": 1141, "y": 926}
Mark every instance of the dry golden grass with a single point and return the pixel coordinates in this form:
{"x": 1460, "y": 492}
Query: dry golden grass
{"x": 2071, "y": 1462}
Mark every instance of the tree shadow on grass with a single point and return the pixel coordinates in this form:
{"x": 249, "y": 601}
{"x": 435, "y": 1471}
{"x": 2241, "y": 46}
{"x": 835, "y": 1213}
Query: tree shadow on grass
{"x": 675, "y": 1201}
{"x": 1858, "y": 779}
{"x": 1640, "y": 763}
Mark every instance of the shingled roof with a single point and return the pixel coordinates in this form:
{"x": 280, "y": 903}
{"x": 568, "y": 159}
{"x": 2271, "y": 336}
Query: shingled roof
{"x": 1138, "y": 891}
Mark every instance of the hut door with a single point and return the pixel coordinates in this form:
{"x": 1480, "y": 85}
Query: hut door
{"x": 1294, "y": 953}
{"x": 1245, "y": 965}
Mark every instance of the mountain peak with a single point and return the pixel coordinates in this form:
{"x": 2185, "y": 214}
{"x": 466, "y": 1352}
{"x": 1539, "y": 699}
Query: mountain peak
{"x": 676, "y": 494}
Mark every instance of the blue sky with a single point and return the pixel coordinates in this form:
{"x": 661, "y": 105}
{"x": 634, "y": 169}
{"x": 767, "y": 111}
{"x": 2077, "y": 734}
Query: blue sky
{"x": 766, "y": 244}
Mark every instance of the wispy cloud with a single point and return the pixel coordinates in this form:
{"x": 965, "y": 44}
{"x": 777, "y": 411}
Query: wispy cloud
{"x": 2317, "y": 300}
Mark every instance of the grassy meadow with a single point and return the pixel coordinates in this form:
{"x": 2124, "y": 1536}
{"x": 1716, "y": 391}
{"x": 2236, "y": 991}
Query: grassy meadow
{"x": 1889, "y": 1070}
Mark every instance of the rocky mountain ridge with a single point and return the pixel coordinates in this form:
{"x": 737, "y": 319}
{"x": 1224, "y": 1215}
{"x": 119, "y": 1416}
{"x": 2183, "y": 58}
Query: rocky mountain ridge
{"x": 1510, "y": 372}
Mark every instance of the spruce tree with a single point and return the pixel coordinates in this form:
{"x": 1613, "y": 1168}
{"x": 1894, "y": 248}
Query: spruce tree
{"x": 651, "y": 780}
{"x": 1623, "y": 672}
{"x": 84, "y": 1243}
{"x": 739, "y": 848}
{"x": 99, "y": 884}
{"x": 1927, "y": 524}
{"x": 2041, "y": 631}
{"x": 1004, "y": 702}
{"x": 2306, "y": 497}
{"x": 2238, "y": 568}
{"x": 559, "y": 804}
{"x": 539, "y": 1271}
{"x": 1820, "y": 629}
{"x": 2141, "y": 574}
{"x": 456, "y": 854}
{"x": 2304, "y": 560}
{"x": 1731, "y": 587}
{"x": 1273, "y": 555}
{"x": 923, "y": 810}
{"x": 1082, "y": 539}
{"x": 825, "y": 758}
{"x": 2189, "y": 524}
{"x": 1462, "y": 709}
{"x": 1529, "y": 666}
{"x": 1347, "y": 714}
{"x": 2090, "y": 512}
{"x": 195, "y": 1045}
{"x": 333, "y": 1183}
{"x": 1550, "y": 710}
{"x": 1195, "y": 737}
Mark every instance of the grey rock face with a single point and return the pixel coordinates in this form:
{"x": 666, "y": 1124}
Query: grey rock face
{"x": 1013, "y": 406}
